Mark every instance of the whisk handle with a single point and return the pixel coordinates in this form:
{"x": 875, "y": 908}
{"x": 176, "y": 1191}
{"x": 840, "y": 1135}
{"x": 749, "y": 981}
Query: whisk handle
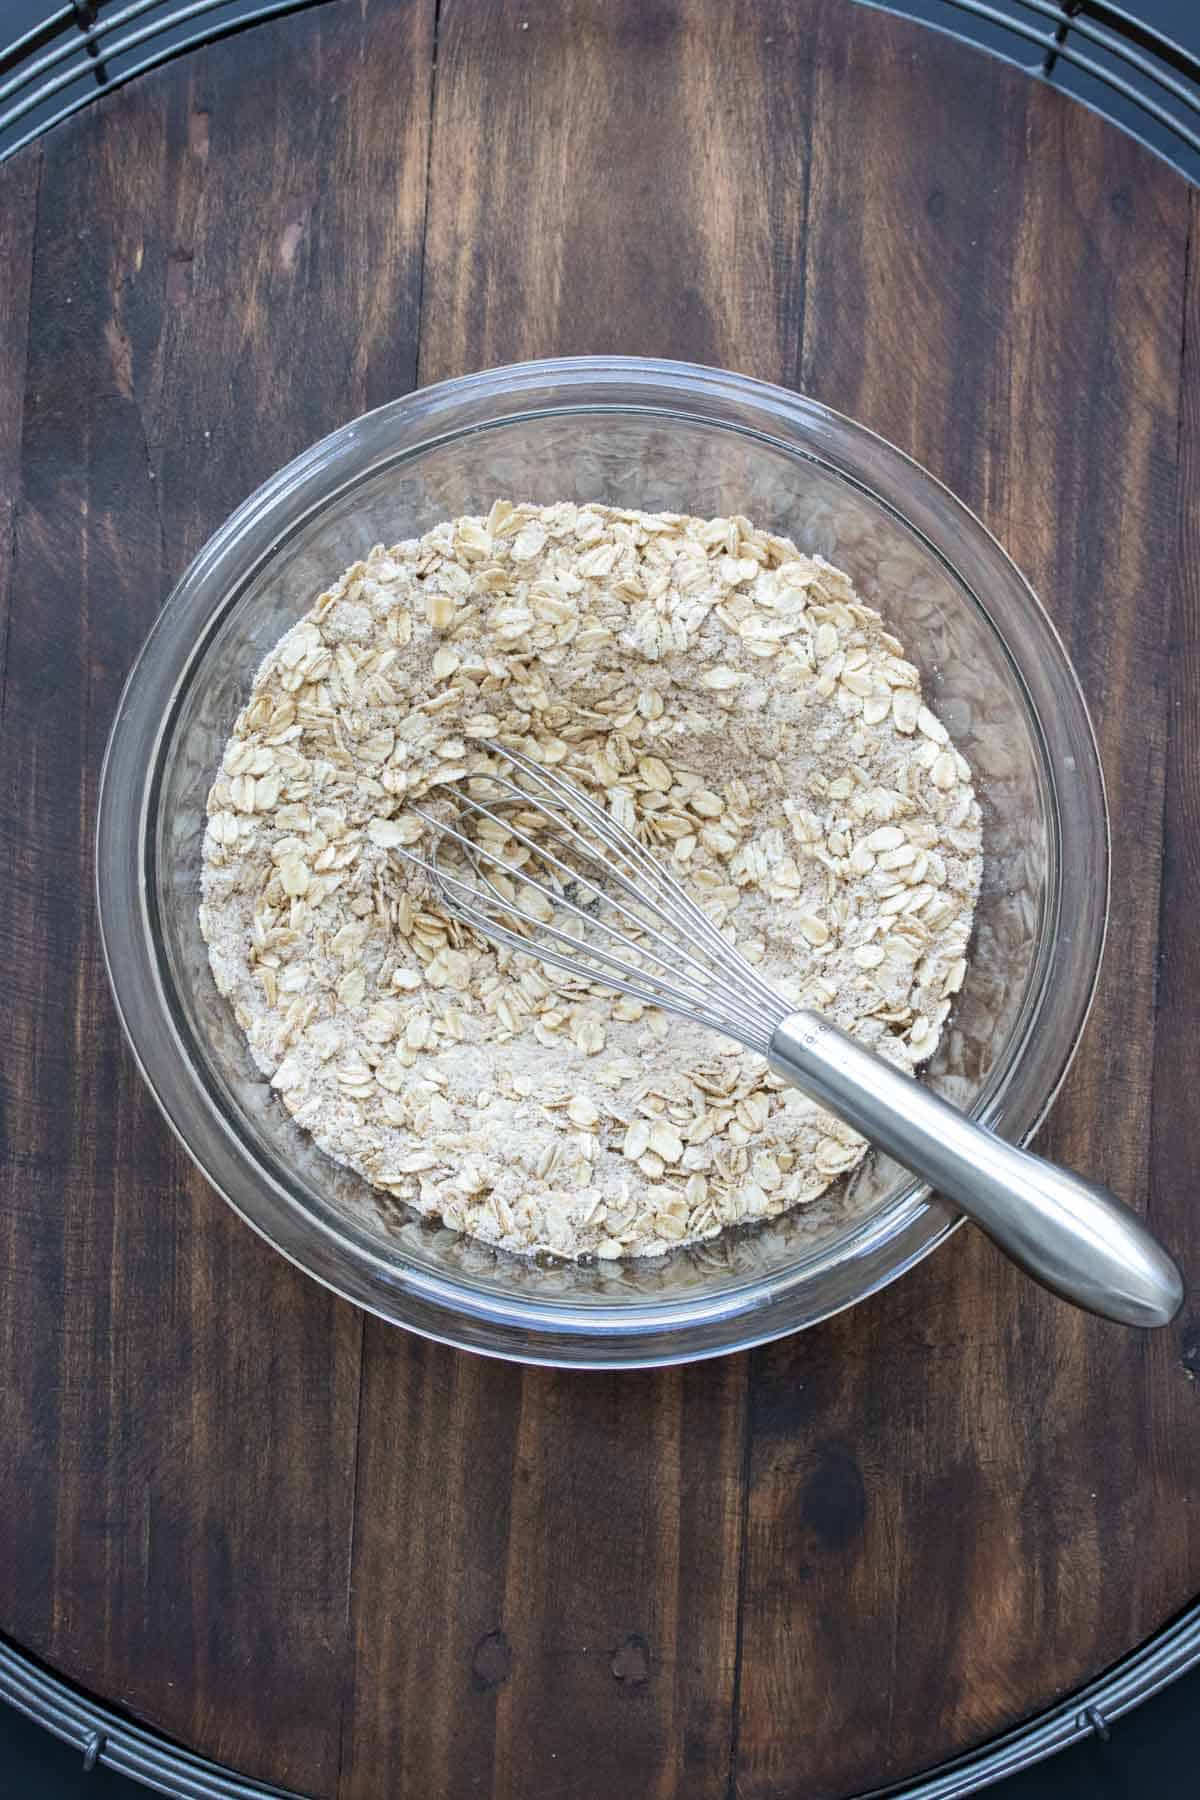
{"x": 1072, "y": 1235}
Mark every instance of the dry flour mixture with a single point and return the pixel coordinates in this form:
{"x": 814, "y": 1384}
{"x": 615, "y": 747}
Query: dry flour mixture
{"x": 734, "y": 704}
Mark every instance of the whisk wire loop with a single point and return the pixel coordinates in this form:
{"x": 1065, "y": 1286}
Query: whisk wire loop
{"x": 574, "y": 875}
{"x": 655, "y": 943}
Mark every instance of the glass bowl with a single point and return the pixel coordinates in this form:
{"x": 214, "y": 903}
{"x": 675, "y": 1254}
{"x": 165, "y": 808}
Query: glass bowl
{"x": 661, "y": 436}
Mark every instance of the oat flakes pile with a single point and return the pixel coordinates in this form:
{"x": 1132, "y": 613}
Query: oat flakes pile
{"x": 732, "y": 702}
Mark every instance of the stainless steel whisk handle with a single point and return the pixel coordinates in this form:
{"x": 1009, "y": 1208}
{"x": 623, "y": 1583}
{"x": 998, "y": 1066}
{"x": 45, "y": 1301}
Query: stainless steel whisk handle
{"x": 1072, "y": 1235}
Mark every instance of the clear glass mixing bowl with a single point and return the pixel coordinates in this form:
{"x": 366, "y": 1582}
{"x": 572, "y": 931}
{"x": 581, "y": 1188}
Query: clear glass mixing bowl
{"x": 662, "y": 436}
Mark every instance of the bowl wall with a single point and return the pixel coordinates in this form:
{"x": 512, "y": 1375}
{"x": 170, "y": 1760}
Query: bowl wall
{"x": 660, "y": 437}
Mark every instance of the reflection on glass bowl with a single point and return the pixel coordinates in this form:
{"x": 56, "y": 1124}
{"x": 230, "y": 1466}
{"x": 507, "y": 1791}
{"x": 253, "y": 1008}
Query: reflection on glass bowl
{"x": 665, "y": 437}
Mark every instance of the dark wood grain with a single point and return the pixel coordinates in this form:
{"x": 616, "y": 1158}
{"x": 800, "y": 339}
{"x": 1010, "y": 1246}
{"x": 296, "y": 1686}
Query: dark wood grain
{"x": 226, "y": 265}
{"x": 1173, "y": 1363}
{"x": 624, "y": 147}
{"x": 359, "y": 1564}
{"x": 972, "y": 292}
{"x": 566, "y": 1622}
{"x": 577, "y": 1601}
{"x": 18, "y": 216}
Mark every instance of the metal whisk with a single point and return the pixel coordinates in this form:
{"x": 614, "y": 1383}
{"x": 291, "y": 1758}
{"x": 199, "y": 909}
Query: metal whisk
{"x": 539, "y": 867}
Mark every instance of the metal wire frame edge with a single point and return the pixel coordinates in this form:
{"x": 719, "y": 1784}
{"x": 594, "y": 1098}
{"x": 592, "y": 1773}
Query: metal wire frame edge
{"x": 1173, "y": 1651}
{"x": 1062, "y": 52}
{"x": 1113, "y": 29}
{"x": 103, "y": 1736}
{"x": 62, "y": 20}
{"x": 208, "y": 34}
{"x": 1105, "y": 35}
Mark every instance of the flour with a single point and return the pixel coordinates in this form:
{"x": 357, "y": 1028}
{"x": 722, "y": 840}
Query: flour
{"x": 729, "y": 700}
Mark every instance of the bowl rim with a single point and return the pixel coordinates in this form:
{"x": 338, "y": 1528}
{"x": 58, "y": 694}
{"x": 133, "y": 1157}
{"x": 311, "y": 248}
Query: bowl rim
{"x": 613, "y": 1335}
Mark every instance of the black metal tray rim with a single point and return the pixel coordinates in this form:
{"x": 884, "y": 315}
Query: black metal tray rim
{"x": 82, "y": 50}
{"x": 104, "y": 1736}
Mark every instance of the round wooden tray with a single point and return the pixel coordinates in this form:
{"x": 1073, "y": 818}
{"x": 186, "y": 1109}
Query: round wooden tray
{"x": 305, "y": 1544}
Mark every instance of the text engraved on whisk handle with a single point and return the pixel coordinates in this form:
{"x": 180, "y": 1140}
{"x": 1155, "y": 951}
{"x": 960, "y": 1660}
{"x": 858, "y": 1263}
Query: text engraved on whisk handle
{"x": 1072, "y": 1235}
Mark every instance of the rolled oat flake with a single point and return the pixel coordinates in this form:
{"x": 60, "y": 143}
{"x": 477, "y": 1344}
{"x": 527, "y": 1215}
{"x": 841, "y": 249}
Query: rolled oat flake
{"x": 730, "y": 700}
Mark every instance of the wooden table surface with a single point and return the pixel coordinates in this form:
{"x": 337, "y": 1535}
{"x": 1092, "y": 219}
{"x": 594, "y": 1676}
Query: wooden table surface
{"x": 299, "y": 1540}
